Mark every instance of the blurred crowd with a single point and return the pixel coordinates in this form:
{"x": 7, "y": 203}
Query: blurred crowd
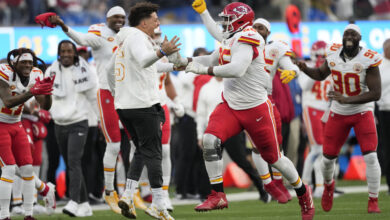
{"x": 84, "y": 12}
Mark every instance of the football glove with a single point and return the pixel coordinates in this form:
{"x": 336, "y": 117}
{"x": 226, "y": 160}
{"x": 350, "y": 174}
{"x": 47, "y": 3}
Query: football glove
{"x": 197, "y": 68}
{"x": 176, "y": 59}
{"x": 199, "y": 6}
{"x": 287, "y": 75}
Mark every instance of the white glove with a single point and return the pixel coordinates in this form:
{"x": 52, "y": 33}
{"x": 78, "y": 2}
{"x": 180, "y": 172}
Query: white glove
{"x": 178, "y": 108}
{"x": 197, "y": 68}
{"x": 176, "y": 59}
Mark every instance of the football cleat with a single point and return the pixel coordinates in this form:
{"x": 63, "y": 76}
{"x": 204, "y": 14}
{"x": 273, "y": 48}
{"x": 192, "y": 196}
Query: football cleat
{"x": 279, "y": 184}
{"x": 307, "y": 204}
{"x": 327, "y": 197}
{"x": 138, "y": 202}
{"x": 275, "y": 192}
{"x": 373, "y": 205}
{"x": 50, "y": 199}
{"x": 216, "y": 200}
{"x": 126, "y": 204}
{"x": 111, "y": 198}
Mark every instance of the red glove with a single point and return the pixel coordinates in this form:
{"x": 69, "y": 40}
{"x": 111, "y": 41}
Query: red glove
{"x": 44, "y": 116}
{"x": 43, "y": 87}
{"x": 43, "y": 19}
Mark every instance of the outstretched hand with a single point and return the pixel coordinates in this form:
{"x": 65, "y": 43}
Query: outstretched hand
{"x": 172, "y": 46}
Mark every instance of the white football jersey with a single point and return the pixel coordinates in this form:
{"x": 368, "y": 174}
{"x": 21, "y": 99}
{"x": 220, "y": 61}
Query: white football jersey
{"x": 273, "y": 52}
{"x": 249, "y": 90}
{"x": 161, "y": 77}
{"x": 349, "y": 77}
{"x": 102, "y": 41}
{"x": 13, "y": 115}
{"x": 315, "y": 93}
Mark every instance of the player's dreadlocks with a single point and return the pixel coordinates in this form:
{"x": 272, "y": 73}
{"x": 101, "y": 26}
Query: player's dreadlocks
{"x": 20, "y": 51}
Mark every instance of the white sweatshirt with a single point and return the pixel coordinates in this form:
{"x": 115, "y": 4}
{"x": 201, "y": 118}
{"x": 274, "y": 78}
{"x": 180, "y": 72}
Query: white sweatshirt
{"x": 384, "y": 102}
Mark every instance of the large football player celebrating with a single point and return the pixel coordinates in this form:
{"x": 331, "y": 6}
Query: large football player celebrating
{"x": 20, "y": 80}
{"x": 245, "y": 105}
{"x": 356, "y": 84}
{"x": 276, "y": 54}
{"x": 101, "y": 38}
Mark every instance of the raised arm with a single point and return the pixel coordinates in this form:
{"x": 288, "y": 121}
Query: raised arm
{"x": 8, "y": 99}
{"x": 315, "y": 73}
{"x": 212, "y": 27}
{"x": 88, "y": 39}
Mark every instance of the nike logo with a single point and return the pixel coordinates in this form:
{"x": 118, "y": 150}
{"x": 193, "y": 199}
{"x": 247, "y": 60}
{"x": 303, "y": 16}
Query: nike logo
{"x": 362, "y": 113}
{"x": 258, "y": 119}
{"x": 80, "y": 134}
{"x": 251, "y": 34}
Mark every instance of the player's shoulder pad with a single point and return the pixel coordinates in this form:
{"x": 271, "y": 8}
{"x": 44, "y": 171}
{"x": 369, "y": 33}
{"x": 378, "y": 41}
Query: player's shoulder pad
{"x": 249, "y": 36}
{"x": 371, "y": 58}
{"x": 5, "y": 72}
{"x": 96, "y": 29}
{"x": 283, "y": 47}
{"x": 333, "y": 48}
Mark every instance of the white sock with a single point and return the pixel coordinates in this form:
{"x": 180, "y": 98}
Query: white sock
{"x": 36, "y": 174}
{"x": 327, "y": 168}
{"x": 28, "y": 186}
{"x": 166, "y": 165}
{"x": 158, "y": 198}
{"x": 17, "y": 191}
{"x": 319, "y": 178}
{"x": 109, "y": 161}
{"x": 144, "y": 183}
{"x": 373, "y": 174}
{"x": 7, "y": 178}
{"x": 120, "y": 175}
{"x": 288, "y": 170}
{"x": 262, "y": 168}
{"x": 308, "y": 166}
{"x": 214, "y": 171}
{"x": 131, "y": 187}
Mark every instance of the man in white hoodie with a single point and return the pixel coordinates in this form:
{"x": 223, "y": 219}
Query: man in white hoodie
{"x": 384, "y": 109}
{"x": 138, "y": 104}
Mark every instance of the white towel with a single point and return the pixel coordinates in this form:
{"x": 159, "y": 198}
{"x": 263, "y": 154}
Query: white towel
{"x": 83, "y": 77}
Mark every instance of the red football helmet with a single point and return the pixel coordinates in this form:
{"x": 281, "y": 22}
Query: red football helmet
{"x": 236, "y": 16}
{"x": 317, "y": 53}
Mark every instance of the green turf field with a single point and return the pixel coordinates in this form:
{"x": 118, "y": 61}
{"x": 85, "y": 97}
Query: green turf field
{"x": 351, "y": 206}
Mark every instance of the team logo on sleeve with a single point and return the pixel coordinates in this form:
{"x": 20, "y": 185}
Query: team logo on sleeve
{"x": 12, "y": 87}
{"x": 332, "y": 64}
{"x": 357, "y": 67}
{"x": 110, "y": 39}
{"x": 274, "y": 53}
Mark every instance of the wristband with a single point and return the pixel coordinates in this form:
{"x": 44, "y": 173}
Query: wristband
{"x": 162, "y": 52}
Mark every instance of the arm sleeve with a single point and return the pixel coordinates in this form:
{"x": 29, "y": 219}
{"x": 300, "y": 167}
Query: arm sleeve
{"x": 110, "y": 71}
{"x": 90, "y": 94}
{"x": 90, "y": 40}
{"x": 241, "y": 59}
{"x": 201, "y": 114}
{"x": 286, "y": 63}
{"x": 207, "y": 60}
{"x": 144, "y": 56}
{"x": 164, "y": 67}
{"x": 212, "y": 27}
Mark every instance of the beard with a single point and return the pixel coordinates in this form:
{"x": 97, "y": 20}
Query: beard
{"x": 348, "y": 48}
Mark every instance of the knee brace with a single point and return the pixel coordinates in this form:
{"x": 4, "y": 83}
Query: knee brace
{"x": 8, "y": 172}
{"x": 26, "y": 171}
{"x": 211, "y": 148}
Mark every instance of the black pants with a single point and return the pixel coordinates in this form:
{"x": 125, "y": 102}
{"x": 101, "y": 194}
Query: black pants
{"x": 144, "y": 126}
{"x": 384, "y": 139}
{"x": 190, "y": 173}
{"x": 235, "y": 147}
{"x": 92, "y": 162}
{"x": 53, "y": 152}
{"x": 71, "y": 141}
